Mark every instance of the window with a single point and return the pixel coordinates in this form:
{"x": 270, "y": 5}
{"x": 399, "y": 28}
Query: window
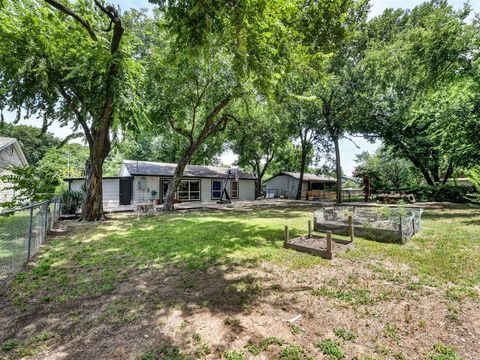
{"x": 194, "y": 190}
{"x": 234, "y": 190}
{"x": 187, "y": 190}
{"x": 216, "y": 189}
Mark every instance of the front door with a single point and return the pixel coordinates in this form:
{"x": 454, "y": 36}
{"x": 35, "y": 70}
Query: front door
{"x": 126, "y": 186}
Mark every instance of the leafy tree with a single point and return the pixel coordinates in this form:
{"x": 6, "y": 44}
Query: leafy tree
{"x": 385, "y": 170}
{"x": 33, "y": 141}
{"x": 259, "y": 140}
{"x": 27, "y": 185}
{"x": 301, "y": 121}
{"x": 418, "y": 63}
{"x": 333, "y": 84}
{"x": 60, "y": 163}
{"x": 287, "y": 159}
{"x": 70, "y": 61}
{"x": 216, "y": 52}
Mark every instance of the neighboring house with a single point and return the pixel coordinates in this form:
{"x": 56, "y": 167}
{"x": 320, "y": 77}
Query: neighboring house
{"x": 138, "y": 181}
{"x": 285, "y": 184}
{"x": 10, "y": 154}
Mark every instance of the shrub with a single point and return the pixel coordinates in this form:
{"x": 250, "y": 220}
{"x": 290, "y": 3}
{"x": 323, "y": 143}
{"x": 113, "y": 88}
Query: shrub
{"x": 71, "y": 201}
{"x": 445, "y": 192}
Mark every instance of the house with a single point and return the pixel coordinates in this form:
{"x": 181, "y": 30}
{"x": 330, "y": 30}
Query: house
{"x": 285, "y": 184}
{"x": 140, "y": 181}
{"x": 10, "y": 154}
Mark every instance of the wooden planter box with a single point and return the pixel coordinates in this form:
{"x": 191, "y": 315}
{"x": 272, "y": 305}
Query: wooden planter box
{"x": 317, "y": 245}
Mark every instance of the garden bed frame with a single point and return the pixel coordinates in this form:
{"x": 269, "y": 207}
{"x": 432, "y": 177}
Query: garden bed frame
{"x": 369, "y": 225}
{"x": 324, "y": 246}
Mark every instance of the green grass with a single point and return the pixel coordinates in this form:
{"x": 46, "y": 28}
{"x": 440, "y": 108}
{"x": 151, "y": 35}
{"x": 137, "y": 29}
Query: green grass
{"x": 331, "y": 349}
{"x": 443, "y": 352}
{"x": 256, "y": 349}
{"x": 446, "y": 250}
{"x": 94, "y": 259}
{"x": 345, "y": 334}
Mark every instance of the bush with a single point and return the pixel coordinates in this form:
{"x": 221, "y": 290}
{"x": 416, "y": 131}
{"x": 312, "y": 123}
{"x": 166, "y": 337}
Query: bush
{"x": 447, "y": 192}
{"x": 71, "y": 201}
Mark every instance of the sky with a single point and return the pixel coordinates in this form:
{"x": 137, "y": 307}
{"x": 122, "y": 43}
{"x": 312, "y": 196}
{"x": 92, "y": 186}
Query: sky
{"x": 348, "y": 149}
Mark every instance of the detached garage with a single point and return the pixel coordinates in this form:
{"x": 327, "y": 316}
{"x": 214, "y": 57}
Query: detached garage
{"x": 141, "y": 181}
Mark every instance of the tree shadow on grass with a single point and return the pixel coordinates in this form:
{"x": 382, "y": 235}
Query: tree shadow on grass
{"x": 104, "y": 291}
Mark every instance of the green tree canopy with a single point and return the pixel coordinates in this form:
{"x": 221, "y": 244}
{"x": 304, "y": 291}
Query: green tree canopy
{"x": 70, "y": 61}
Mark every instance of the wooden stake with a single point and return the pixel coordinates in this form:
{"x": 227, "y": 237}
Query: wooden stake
{"x": 350, "y": 227}
{"x": 309, "y": 228}
{"x": 286, "y": 233}
{"x": 329, "y": 241}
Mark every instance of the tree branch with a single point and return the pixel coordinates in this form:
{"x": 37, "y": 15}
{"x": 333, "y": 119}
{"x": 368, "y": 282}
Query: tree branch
{"x": 77, "y": 113}
{"x": 179, "y": 130}
{"x": 74, "y": 15}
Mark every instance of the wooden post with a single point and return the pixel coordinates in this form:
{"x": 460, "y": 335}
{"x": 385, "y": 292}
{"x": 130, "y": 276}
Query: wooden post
{"x": 286, "y": 233}
{"x": 400, "y": 228}
{"x": 309, "y": 229}
{"x": 413, "y": 225}
{"x": 350, "y": 227}
{"x": 329, "y": 242}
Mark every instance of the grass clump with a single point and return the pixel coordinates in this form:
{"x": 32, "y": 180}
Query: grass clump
{"x": 345, "y": 334}
{"x": 391, "y": 331}
{"x": 263, "y": 345}
{"x": 9, "y": 345}
{"x": 443, "y": 352}
{"x": 233, "y": 355}
{"x": 295, "y": 329}
{"x": 294, "y": 352}
{"x": 347, "y": 292}
{"x": 331, "y": 349}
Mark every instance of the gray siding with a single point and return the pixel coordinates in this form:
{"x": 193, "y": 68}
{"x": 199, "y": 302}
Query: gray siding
{"x": 8, "y": 156}
{"x": 285, "y": 185}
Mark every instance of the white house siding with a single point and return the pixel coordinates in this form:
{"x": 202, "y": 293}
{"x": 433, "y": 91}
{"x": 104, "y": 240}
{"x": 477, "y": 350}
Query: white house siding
{"x": 151, "y": 183}
{"x": 110, "y": 189}
{"x": 246, "y": 189}
{"x": 8, "y": 156}
{"x": 206, "y": 190}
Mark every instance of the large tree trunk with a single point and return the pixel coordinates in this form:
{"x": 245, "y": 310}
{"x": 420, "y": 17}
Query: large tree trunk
{"x": 338, "y": 169}
{"x": 92, "y": 206}
{"x": 258, "y": 187}
{"x": 177, "y": 178}
{"x": 303, "y": 163}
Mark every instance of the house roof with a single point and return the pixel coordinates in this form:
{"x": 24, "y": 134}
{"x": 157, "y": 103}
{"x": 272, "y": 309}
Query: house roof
{"x": 7, "y": 141}
{"x": 149, "y": 168}
{"x": 307, "y": 177}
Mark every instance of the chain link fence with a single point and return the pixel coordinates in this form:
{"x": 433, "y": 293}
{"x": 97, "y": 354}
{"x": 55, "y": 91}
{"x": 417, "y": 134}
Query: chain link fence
{"x": 22, "y": 231}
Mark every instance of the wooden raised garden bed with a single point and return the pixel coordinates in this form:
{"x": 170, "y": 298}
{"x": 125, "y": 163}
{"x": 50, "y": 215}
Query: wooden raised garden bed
{"x": 391, "y": 225}
{"x": 324, "y": 246}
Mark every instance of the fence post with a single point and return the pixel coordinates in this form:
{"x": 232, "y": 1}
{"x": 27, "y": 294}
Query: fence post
{"x": 46, "y": 205}
{"x": 351, "y": 227}
{"x": 329, "y": 242}
{"x": 286, "y": 233}
{"x": 309, "y": 229}
{"x": 30, "y": 233}
{"x": 53, "y": 214}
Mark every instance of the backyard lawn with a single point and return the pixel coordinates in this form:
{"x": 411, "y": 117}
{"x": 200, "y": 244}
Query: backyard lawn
{"x": 218, "y": 284}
